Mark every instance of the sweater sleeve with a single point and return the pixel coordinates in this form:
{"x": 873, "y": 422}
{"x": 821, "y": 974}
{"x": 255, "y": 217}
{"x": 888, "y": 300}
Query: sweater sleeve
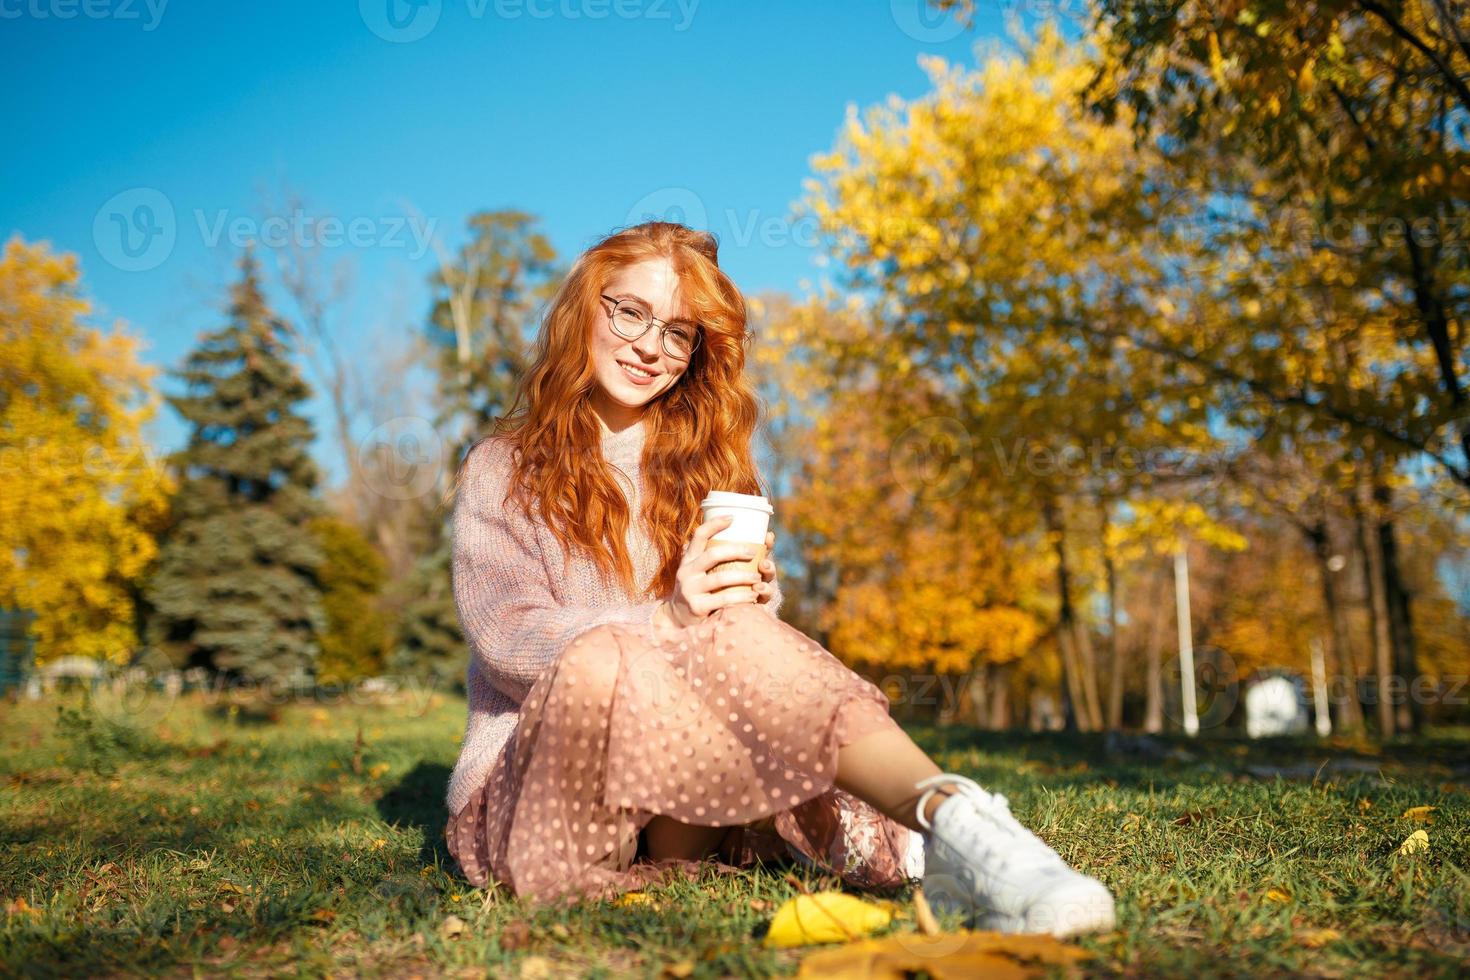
{"x": 502, "y": 590}
{"x": 773, "y": 604}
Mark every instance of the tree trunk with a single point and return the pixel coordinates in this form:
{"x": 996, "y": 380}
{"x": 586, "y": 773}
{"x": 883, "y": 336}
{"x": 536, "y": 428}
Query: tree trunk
{"x": 979, "y": 694}
{"x": 1153, "y": 708}
{"x": 1371, "y": 555}
{"x": 998, "y": 680}
{"x": 1114, "y": 648}
{"x": 1070, "y": 638}
{"x": 1088, "y": 663}
{"x": 989, "y": 693}
{"x": 944, "y": 711}
{"x": 1350, "y": 713}
{"x": 1074, "y": 710}
{"x": 1409, "y": 715}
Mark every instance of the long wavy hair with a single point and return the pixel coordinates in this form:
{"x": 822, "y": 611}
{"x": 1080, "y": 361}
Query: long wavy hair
{"x": 697, "y": 432}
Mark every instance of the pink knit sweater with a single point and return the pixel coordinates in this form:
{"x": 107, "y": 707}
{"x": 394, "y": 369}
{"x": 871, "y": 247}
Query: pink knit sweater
{"x": 517, "y": 608}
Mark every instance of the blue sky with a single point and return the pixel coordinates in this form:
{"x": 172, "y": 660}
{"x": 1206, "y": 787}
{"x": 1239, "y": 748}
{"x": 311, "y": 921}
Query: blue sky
{"x": 173, "y": 122}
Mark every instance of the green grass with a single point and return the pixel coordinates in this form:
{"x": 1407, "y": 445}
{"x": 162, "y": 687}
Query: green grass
{"x": 175, "y": 837}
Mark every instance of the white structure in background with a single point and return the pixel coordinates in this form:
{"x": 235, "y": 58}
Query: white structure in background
{"x": 1275, "y": 705}
{"x": 1319, "y": 689}
{"x": 1186, "y": 640}
{"x": 82, "y": 670}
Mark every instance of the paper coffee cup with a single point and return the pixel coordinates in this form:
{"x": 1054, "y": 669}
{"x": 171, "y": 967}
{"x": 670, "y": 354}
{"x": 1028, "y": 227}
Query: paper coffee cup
{"x": 750, "y": 519}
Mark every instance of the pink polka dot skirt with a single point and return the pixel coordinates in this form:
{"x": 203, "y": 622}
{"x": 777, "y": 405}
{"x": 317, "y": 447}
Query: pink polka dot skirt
{"x": 729, "y": 722}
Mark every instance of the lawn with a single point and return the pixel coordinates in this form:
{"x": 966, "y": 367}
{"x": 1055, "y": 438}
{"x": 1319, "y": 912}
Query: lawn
{"x": 175, "y": 836}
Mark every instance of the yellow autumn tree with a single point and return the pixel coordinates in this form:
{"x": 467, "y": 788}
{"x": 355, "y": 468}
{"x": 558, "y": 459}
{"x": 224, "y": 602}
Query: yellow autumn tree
{"x": 928, "y": 577}
{"x": 1017, "y": 247}
{"x": 83, "y": 496}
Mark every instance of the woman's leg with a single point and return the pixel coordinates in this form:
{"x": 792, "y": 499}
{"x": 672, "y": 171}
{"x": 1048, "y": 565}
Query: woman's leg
{"x": 882, "y": 767}
{"x": 668, "y": 838}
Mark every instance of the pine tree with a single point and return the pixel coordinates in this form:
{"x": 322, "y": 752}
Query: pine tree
{"x": 431, "y": 646}
{"x": 237, "y": 589}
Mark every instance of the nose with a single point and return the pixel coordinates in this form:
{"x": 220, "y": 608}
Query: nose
{"x": 648, "y": 345}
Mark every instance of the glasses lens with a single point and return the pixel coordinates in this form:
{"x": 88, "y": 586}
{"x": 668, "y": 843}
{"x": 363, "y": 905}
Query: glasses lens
{"x": 629, "y": 322}
{"x": 679, "y": 341}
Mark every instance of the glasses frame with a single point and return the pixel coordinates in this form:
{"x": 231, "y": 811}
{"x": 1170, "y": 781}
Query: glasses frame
{"x": 663, "y": 328}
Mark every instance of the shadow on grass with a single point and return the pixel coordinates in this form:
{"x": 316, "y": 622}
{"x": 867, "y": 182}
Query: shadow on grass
{"x": 417, "y": 800}
{"x": 1162, "y": 761}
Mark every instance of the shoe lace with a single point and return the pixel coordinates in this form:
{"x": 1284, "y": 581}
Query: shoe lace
{"x": 997, "y": 835}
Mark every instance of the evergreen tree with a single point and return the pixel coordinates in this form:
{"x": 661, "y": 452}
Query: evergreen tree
{"x": 237, "y": 587}
{"x": 430, "y": 645}
{"x": 352, "y": 577}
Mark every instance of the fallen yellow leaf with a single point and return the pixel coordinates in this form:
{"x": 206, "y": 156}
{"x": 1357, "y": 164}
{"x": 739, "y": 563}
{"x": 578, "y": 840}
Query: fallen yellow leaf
{"x": 535, "y": 968}
{"x": 1317, "y": 938}
{"x": 1279, "y": 895}
{"x": 451, "y": 927}
{"x": 967, "y": 954}
{"x": 20, "y": 906}
{"x": 633, "y": 898}
{"x": 824, "y": 917}
{"x": 1419, "y": 814}
{"x": 1414, "y": 843}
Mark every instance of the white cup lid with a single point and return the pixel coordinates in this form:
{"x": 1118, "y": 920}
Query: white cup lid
{"x": 726, "y": 498}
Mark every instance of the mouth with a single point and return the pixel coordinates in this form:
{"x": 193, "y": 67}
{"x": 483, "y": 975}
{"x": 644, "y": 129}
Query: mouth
{"x": 637, "y": 374}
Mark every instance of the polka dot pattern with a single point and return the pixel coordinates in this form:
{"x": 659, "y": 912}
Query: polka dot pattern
{"x": 732, "y": 722}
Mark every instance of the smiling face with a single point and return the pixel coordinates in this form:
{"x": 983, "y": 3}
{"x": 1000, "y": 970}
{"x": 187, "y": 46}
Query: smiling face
{"x": 621, "y": 393}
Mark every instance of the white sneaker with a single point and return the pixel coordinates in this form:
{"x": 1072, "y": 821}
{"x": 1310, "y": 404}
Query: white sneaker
{"x": 979, "y": 860}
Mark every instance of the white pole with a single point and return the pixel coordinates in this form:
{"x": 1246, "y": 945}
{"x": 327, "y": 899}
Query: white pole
{"x": 1319, "y": 689}
{"x": 1186, "y": 643}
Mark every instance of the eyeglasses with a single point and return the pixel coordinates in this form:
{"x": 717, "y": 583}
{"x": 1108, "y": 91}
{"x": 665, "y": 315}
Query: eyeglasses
{"x": 628, "y": 321}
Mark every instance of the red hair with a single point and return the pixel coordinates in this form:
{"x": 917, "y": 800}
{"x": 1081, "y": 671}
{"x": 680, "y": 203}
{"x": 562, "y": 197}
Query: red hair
{"x": 697, "y": 432}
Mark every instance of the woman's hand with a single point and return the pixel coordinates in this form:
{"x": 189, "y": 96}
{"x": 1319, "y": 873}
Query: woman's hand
{"x": 767, "y": 586}
{"x": 699, "y": 591}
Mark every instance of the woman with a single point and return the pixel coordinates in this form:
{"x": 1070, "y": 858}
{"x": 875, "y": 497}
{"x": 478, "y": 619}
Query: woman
{"x": 634, "y": 713}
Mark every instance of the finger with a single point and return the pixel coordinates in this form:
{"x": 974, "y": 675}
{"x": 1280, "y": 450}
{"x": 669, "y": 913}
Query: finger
{"x": 726, "y": 577}
{"x": 723, "y": 551}
{"x": 708, "y": 529}
{"x": 730, "y": 597}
